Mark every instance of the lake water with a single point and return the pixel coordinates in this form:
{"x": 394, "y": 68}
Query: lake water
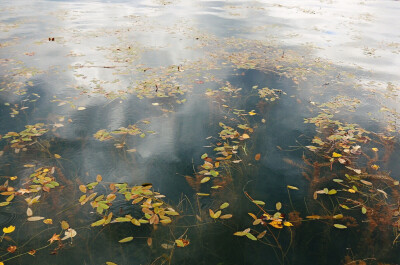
{"x": 286, "y": 111}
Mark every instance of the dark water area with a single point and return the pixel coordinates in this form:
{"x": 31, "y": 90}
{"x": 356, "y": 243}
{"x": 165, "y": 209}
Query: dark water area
{"x": 199, "y": 132}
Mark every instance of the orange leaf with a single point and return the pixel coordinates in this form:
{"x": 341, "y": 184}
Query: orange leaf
{"x": 276, "y": 224}
{"x": 55, "y": 237}
{"x": 99, "y": 178}
{"x": 12, "y": 249}
{"x": 257, "y": 157}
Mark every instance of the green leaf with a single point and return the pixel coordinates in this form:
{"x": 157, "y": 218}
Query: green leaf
{"x": 251, "y": 236}
{"x": 340, "y": 226}
{"x": 98, "y": 223}
{"x": 204, "y": 156}
{"x": 224, "y": 205}
{"x": 179, "y": 243}
{"x": 332, "y": 192}
{"x": 278, "y": 206}
{"x": 363, "y": 210}
{"x": 214, "y": 173}
{"x": 126, "y": 239}
{"x": 205, "y": 179}
{"x": 122, "y": 219}
{"x": 259, "y": 202}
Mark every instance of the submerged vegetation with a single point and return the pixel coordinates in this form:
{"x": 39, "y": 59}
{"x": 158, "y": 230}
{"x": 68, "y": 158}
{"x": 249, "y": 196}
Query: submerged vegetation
{"x": 121, "y": 157}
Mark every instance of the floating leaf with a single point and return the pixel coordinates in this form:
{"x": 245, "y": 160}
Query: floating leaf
{"x": 338, "y": 216}
{"x": 126, "y": 239}
{"x": 57, "y": 156}
{"x": 338, "y": 180}
{"x": 257, "y": 157}
{"x": 245, "y": 136}
{"x": 35, "y": 218}
{"x": 376, "y": 167}
{"x": 366, "y": 182}
{"x": 253, "y": 215}
{"x": 64, "y": 225}
{"x": 205, "y": 179}
{"x": 286, "y": 223}
{"x": 363, "y": 210}
{"x": 316, "y": 217}
{"x": 99, "y": 222}
{"x": 375, "y": 149}
{"x": 278, "y": 206}
{"x": 69, "y": 233}
{"x": 332, "y": 192}
{"x": 276, "y": 224}
{"x": 81, "y": 108}
{"x": 182, "y": 242}
{"x": 340, "y": 226}
{"x": 262, "y": 234}
{"x": 55, "y": 237}
{"x": 226, "y": 216}
{"x": 11, "y": 249}
{"x": 336, "y": 155}
{"x": 258, "y": 202}
{"x": 9, "y": 229}
{"x": 202, "y": 194}
{"x": 99, "y": 178}
{"x": 224, "y": 205}
{"x": 292, "y": 187}
{"x": 111, "y": 263}
{"x": 250, "y": 236}
{"x": 48, "y": 221}
{"x": 29, "y": 212}
{"x": 82, "y": 188}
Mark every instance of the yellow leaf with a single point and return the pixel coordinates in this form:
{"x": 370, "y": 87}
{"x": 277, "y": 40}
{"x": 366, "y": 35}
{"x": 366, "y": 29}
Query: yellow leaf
{"x": 29, "y": 165}
{"x": 8, "y": 230}
{"x": 340, "y": 226}
{"x": 245, "y": 136}
{"x": 252, "y": 215}
{"x": 99, "y": 178}
{"x": 126, "y": 239}
{"x": 110, "y": 263}
{"x": 48, "y": 221}
{"x": 252, "y": 113}
{"x": 202, "y": 194}
{"x": 375, "y": 149}
{"x": 286, "y": 223}
{"x": 276, "y": 224}
{"x": 64, "y": 225}
{"x": 81, "y": 108}
{"x": 205, "y": 179}
{"x": 351, "y": 191}
{"x": 82, "y": 188}
{"x": 292, "y": 187}
{"x": 57, "y": 156}
{"x": 211, "y": 213}
{"x": 376, "y": 167}
{"x": 278, "y": 206}
{"x": 313, "y": 217}
{"x": 336, "y": 155}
